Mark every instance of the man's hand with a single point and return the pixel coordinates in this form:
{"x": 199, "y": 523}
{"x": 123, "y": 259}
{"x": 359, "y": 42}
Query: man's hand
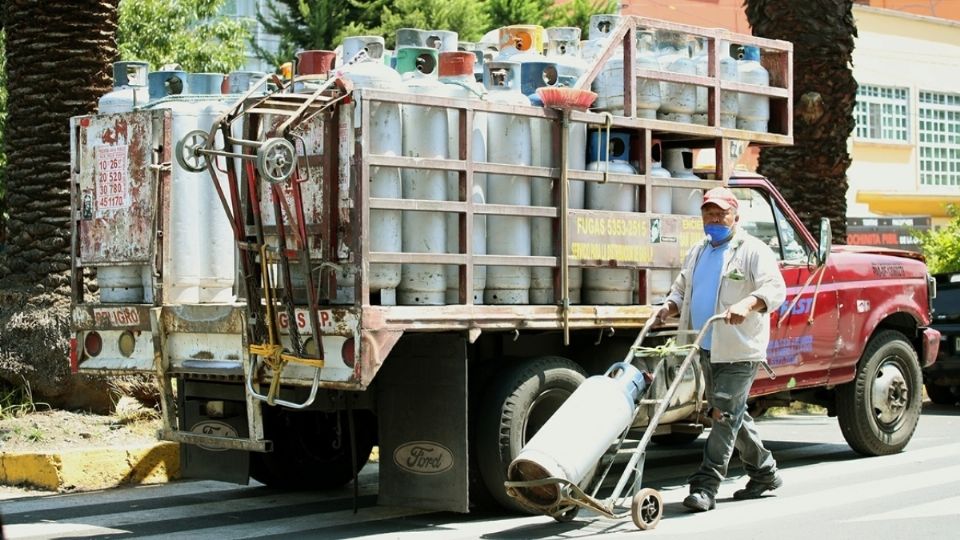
{"x": 738, "y": 312}
{"x": 666, "y": 311}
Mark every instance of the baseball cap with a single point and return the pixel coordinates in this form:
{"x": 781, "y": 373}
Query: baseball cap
{"x": 722, "y": 197}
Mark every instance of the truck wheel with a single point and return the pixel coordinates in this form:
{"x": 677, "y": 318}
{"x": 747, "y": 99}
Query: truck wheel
{"x": 513, "y": 409}
{"x": 941, "y": 395}
{"x": 307, "y": 451}
{"x": 878, "y": 411}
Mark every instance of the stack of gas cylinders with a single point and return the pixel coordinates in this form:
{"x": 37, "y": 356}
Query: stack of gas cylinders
{"x": 507, "y": 66}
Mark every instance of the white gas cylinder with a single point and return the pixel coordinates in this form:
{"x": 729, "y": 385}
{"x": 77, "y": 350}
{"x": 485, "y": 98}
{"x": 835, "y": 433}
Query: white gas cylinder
{"x": 609, "y": 83}
{"x": 609, "y": 285}
{"x": 456, "y": 73}
{"x": 754, "y": 110}
{"x": 424, "y": 136}
{"x": 686, "y": 201}
{"x": 508, "y": 142}
{"x": 678, "y": 101}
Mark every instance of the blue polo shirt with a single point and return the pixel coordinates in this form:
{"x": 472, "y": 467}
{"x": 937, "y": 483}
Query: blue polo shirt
{"x": 706, "y": 285}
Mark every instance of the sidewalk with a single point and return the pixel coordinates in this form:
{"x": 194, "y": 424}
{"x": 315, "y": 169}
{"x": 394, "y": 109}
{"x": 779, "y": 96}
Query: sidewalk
{"x": 91, "y": 468}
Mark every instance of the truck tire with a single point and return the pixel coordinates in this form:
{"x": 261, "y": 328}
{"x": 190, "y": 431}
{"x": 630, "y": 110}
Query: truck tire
{"x": 878, "y": 411}
{"x": 941, "y": 395}
{"x": 513, "y": 408}
{"x": 307, "y": 454}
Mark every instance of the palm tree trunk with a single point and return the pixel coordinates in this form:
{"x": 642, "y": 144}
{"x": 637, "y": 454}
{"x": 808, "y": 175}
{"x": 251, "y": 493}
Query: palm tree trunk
{"x": 58, "y": 64}
{"x": 812, "y": 174}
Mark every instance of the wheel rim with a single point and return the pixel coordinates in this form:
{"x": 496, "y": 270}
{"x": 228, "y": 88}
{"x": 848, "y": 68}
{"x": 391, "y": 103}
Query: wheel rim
{"x": 890, "y": 394}
{"x": 650, "y": 509}
{"x": 189, "y": 156}
{"x": 276, "y": 160}
{"x": 541, "y": 409}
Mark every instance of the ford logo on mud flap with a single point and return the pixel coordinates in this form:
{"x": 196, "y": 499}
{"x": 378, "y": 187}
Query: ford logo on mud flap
{"x": 423, "y": 457}
{"x": 214, "y": 428}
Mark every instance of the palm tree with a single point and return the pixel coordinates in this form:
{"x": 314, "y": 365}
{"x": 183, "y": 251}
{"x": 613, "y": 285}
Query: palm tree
{"x": 812, "y": 174}
{"x": 58, "y": 63}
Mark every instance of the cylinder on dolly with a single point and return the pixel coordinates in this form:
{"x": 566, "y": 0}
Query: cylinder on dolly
{"x": 573, "y": 440}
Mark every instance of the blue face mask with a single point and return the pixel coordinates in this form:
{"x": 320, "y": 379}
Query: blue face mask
{"x": 717, "y": 231}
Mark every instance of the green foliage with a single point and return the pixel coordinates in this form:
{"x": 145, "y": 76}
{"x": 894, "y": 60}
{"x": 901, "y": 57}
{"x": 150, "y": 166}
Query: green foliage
{"x": 507, "y": 12}
{"x": 578, "y": 13}
{"x": 941, "y": 247}
{"x": 17, "y": 401}
{"x": 465, "y": 17}
{"x": 186, "y": 32}
{"x": 315, "y": 24}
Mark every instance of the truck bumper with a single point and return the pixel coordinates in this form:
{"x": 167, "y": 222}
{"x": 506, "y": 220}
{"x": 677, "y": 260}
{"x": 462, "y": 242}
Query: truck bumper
{"x": 931, "y": 344}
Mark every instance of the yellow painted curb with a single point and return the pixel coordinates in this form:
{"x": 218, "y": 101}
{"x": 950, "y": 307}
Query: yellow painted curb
{"x": 94, "y": 468}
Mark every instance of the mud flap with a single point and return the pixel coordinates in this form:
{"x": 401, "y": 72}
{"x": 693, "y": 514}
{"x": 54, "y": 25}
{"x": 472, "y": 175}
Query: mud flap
{"x": 199, "y": 462}
{"x": 422, "y": 408}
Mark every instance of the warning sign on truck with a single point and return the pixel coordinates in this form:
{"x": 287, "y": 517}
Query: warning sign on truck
{"x": 111, "y": 178}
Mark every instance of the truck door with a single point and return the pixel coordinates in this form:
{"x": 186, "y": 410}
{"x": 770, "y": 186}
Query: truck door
{"x": 800, "y": 352}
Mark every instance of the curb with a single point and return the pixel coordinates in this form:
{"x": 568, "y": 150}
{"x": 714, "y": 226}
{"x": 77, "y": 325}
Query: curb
{"x": 94, "y": 468}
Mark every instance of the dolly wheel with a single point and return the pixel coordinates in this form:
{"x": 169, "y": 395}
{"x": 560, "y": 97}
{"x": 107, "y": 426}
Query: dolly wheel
{"x": 276, "y": 160}
{"x": 188, "y": 151}
{"x": 647, "y": 508}
{"x": 568, "y": 514}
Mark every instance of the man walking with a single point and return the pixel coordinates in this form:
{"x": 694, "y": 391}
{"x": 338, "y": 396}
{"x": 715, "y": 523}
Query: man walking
{"x": 735, "y": 274}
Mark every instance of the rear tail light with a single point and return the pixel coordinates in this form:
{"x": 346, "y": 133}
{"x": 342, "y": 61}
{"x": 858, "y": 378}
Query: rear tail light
{"x": 127, "y": 343}
{"x": 74, "y": 356}
{"x": 347, "y": 353}
{"x": 92, "y": 344}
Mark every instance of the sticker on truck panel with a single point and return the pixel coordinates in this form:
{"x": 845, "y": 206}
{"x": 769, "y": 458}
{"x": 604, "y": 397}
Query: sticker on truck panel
{"x": 331, "y": 322}
{"x": 423, "y": 457}
{"x": 116, "y": 317}
{"x": 111, "y": 178}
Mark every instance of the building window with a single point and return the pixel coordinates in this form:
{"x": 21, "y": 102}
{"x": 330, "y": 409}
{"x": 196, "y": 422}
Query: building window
{"x": 881, "y": 113}
{"x": 939, "y": 146}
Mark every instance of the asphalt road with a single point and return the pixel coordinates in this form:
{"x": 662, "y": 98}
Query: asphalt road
{"x": 830, "y": 493}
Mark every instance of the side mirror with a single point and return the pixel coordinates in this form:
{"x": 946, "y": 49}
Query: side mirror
{"x": 826, "y": 240}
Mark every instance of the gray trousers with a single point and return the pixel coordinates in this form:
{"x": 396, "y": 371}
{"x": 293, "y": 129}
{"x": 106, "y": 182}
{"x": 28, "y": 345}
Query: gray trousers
{"x": 727, "y": 389}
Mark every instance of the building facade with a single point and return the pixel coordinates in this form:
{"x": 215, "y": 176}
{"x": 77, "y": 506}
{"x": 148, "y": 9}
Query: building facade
{"x": 247, "y": 10}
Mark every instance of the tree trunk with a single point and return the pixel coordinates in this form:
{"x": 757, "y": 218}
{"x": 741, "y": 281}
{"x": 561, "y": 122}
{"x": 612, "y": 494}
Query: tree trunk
{"x": 58, "y": 64}
{"x": 812, "y": 174}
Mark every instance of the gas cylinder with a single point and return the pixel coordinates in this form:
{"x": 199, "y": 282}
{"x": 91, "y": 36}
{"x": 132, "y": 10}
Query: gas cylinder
{"x": 678, "y": 102}
{"x": 573, "y": 440}
{"x": 508, "y": 142}
{"x": 129, "y": 88}
{"x": 199, "y": 228}
{"x": 679, "y": 161}
{"x": 727, "y": 71}
{"x": 457, "y": 75}
{"x": 205, "y": 84}
{"x": 239, "y": 82}
{"x": 609, "y": 83}
{"x": 318, "y": 63}
{"x": 648, "y": 90}
{"x": 536, "y": 74}
{"x": 662, "y": 199}
{"x": 438, "y": 40}
{"x": 424, "y": 136}
{"x": 129, "y": 283}
{"x": 606, "y": 285}
{"x": 563, "y": 48}
{"x": 520, "y": 39}
{"x": 372, "y": 46}
{"x": 754, "y": 110}
{"x": 386, "y": 139}
{"x": 162, "y": 84}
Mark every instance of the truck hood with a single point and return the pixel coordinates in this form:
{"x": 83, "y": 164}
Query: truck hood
{"x": 873, "y": 250}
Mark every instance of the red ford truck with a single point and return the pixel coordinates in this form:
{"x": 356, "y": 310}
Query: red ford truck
{"x": 288, "y": 365}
